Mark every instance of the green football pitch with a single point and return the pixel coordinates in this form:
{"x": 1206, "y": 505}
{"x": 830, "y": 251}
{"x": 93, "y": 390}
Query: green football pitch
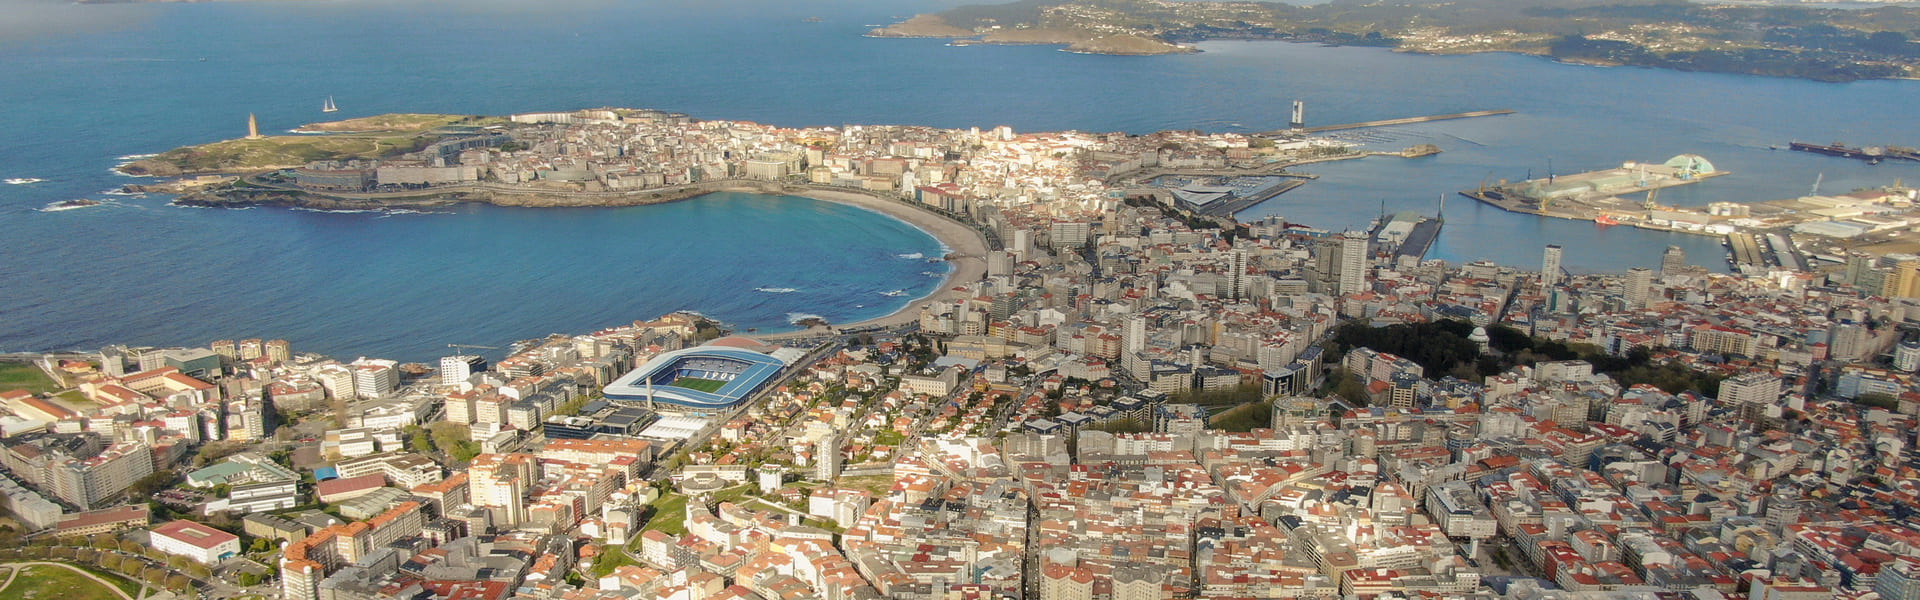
{"x": 698, "y": 384}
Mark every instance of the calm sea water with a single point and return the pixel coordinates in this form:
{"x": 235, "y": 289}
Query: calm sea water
{"x": 88, "y": 84}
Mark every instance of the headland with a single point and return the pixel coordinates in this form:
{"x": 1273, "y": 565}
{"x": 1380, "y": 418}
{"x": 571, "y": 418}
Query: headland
{"x": 629, "y": 157}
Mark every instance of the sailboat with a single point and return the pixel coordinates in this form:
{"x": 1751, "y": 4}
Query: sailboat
{"x": 328, "y": 106}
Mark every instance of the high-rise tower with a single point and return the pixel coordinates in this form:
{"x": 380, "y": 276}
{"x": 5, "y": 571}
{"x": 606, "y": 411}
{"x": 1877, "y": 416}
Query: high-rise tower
{"x": 1237, "y": 273}
{"x": 1639, "y": 279}
{"x": 1353, "y": 263}
{"x": 1550, "y": 266}
{"x": 1672, "y": 261}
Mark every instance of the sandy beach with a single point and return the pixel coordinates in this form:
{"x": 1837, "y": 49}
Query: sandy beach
{"x": 967, "y": 247}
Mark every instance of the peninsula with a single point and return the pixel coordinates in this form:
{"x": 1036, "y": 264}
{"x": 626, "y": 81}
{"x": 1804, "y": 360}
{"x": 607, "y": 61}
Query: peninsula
{"x": 1820, "y": 43}
{"x": 626, "y": 157}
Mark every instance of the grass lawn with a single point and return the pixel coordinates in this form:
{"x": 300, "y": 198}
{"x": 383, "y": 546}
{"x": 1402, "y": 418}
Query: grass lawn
{"x": 698, "y": 384}
{"x": 878, "y": 485}
{"x": 670, "y": 511}
{"x": 55, "y": 583}
{"x": 611, "y": 557}
{"x": 734, "y": 494}
{"x": 669, "y": 515}
{"x": 73, "y": 397}
{"x": 25, "y": 376}
{"x": 1245, "y": 417}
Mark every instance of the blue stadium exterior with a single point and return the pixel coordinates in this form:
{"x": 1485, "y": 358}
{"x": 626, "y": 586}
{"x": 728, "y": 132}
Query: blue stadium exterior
{"x": 745, "y": 371}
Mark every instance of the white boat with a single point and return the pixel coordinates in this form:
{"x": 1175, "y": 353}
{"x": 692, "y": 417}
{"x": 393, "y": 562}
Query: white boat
{"x": 328, "y": 106}
{"x": 894, "y": 293}
{"x": 23, "y": 180}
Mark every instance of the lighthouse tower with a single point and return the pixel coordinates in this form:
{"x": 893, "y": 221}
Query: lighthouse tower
{"x": 253, "y": 127}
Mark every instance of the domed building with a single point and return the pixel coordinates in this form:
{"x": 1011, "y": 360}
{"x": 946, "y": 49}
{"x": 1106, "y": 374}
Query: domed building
{"x": 1480, "y": 338}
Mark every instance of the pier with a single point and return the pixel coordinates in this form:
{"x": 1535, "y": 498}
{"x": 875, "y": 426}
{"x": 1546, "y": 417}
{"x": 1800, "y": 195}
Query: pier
{"x": 1743, "y": 252}
{"x": 1391, "y": 122}
{"x": 1595, "y": 195}
{"x": 1420, "y": 240}
{"x": 1233, "y": 206}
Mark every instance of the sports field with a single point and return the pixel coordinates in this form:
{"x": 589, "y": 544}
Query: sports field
{"x": 698, "y": 384}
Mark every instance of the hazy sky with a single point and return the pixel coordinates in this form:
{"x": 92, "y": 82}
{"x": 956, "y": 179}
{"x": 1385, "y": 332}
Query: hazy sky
{"x": 27, "y": 20}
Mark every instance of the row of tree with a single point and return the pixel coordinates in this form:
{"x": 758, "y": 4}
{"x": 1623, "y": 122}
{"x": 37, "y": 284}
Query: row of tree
{"x": 110, "y": 561}
{"x": 1442, "y": 348}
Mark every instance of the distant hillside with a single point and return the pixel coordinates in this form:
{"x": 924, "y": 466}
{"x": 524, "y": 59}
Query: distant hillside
{"x": 1825, "y": 44}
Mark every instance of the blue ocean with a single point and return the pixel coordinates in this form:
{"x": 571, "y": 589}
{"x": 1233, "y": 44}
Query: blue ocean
{"x": 88, "y": 85}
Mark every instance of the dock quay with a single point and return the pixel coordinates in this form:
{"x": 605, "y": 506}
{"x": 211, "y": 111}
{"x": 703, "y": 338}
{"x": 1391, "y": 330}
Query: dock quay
{"x": 1749, "y": 252}
{"x": 1420, "y": 240}
{"x": 1596, "y": 195}
{"x": 1391, "y": 122}
{"x": 1233, "y": 206}
{"x": 1405, "y": 235}
{"x": 1744, "y": 251}
{"x": 1217, "y": 193}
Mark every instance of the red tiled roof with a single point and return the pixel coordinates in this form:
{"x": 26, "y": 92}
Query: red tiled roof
{"x": 349, "y": 484}
{"x": 198, "y": 535}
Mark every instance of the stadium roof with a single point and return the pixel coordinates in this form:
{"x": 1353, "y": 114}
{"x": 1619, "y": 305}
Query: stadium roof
{"x": 757, "y": 369}
{"x": 741, "y": 342}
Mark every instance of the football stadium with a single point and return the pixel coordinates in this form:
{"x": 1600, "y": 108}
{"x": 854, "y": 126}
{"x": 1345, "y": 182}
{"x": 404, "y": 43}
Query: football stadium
{"x": 704, "y": 380}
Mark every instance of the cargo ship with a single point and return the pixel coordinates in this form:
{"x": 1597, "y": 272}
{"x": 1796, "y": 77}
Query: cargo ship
{"x": 1871, "y": 154}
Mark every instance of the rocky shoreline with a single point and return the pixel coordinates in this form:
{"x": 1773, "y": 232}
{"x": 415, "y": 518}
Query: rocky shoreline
{"x": 242, "y": 197}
